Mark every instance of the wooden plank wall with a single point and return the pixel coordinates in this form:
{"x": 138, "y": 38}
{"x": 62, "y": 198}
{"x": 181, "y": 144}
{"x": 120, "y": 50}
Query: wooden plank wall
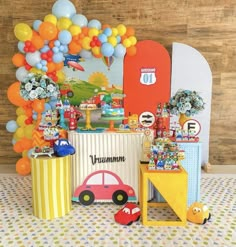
{"x": 209, "y": 26}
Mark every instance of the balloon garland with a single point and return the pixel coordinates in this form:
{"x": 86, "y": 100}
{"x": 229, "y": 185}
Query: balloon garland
{"x": 42, "y": 49}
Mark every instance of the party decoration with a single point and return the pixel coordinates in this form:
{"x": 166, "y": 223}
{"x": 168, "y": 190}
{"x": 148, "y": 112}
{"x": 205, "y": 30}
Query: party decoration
{"x": 23, "y": 166}
{"x": 42, "y": 52}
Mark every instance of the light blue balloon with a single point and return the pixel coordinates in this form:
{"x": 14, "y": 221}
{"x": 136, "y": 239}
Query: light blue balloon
{"x": 63, "y": 8}
{"x": 21, "y": 46}
{"x": 38, "y": 66}
{"x": 85, "y": 54}
{"x": 118, "y": 38}
{"x": 45, "y": 48}
{"x": 119, "y": 51}
{"x": 102, "y": 37}
{"x": 64, "y": 37}
{"x": 35, "y": 115}
{"x": 13, "y": 141}
{"x": 11, "y": 126}
{"x": 44, "y": 68}
{"x": 95, "y": 24}
{"x": 79, "y": 20}
{"x": 65, "y": 49}
{"x": 58, "y": 57}
{"x": 57, "y": 43}
{"x": 107, "y": 49}
{"x": 36, "y": 24}
{"x": 55, "y": 49}
{"x": 61, "y": 48}
{"x": 44, "y": 62}
{"x": 107, "y": 31}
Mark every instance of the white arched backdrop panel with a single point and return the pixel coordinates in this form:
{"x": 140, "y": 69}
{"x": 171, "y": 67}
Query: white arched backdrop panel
{"x": 190, "y": 70}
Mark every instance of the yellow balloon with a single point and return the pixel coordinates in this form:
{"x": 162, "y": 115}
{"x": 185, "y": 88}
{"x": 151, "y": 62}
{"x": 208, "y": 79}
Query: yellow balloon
{"x": 20, "y": 111}
{"x": 121, "y": 29}
{"x": 25, "y": 153}
{"x": 133, "y": 40}
{"x": 74, "y": 30}
{"x": 96, "y": 50}
{"x": 51, "y": 18}
{"x": 112, "y": 40}
{"x": 86, "y": 43}
{"x": 28, "y": 131}
{"x": 114, "y": 31}
{"x": 93, "y": 32}
{"x": 61, "y": 76}
{"x": 19, "y": 133}
{"x": 126, "y": 43}
{"x": 21, "y": 120}
{"x": 23, "y": 31}
{"x": 37, "y": 71}
{"x": 64, "y": 23}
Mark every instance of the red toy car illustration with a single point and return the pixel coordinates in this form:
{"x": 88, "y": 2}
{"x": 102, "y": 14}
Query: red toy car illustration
{"x": 103, "y": 185}
{"x": 128, "y": 214}
{"x": 65, "y": 89}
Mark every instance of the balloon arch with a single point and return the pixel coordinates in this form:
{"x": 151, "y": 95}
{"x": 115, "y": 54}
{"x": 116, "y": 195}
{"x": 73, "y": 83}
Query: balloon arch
{"x": 41, "y": 53}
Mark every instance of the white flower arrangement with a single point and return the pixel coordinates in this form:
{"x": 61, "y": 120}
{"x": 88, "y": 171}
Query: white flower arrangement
{"x": 37, "y": 86}
{"x": 186, "y": 102}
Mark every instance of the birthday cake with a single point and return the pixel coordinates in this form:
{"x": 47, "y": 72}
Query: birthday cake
{"x": 84, "y": 106}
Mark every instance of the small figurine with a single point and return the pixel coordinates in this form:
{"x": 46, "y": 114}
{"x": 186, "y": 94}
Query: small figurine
{"x": 72, "y": 119}
{"x": 198, "y": 213}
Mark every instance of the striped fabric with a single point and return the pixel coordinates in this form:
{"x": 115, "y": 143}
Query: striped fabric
{"x": 51, "y": 186}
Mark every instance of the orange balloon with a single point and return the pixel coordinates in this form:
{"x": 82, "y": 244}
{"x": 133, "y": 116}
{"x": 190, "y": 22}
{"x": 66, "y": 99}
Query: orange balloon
{"x": 38, "y": 105}
{"x": 59, "y": 66}
{"x": 51, "y": 43}
{"x": 131, "y": 51}
{"x": 13, "y": 94}
{"x": 51, "y": 67}
{"x": 74, "y": 47}
{"x": 48, "y": 31}
{"x": 37, "y": 41}
{"x": 23, "y": 166}
{"x": 129, "y": 31}
{"x": 105, "y": 26}
{"x": 18, "y": 148}
{"x": 18, "y": 60}
{"x": 85, "y": 30}
{"x": 26, "y": 143}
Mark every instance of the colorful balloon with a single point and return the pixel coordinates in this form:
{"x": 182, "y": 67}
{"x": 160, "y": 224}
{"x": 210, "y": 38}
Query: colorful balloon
{"x": 23, "y": 166}
{"x": 51, "y": 18}
{"x": 23, "y": 31}
{"x": 64, "y": 23}
{"x": 79, "y": 20}
{"x": 63, "y": 8}
{"x": 18, "y": 60}
{"x": 13, "y": 94}
{"x": 11, "y": 126}
{"x": 48, "y": 31}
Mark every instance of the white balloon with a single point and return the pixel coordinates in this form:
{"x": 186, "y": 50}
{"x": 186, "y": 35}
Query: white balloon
{"x": 21, "y": 73}
{"x": 32, "y": 58}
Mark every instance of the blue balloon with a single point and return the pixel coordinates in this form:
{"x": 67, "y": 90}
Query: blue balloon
{"x": 21, "y": 46}
{"x": 11, "y": 126}
{"x": 36, "y": 24}
{"x": 58, "y": 57}
{"x": 38, "y": 66}
{"x": 44, "y": 62}
{"x": 79, "y": 20}
{"x": 95, "y": 24}
{"x": 35, "y": 115}
{"x": 119, "y": 51}
{"x": 63, "y": 8}
{"x": 64, "y": 37}
{"x": 57, "y": 43}
{"x": 107, "y": 49}
{"x": 102, "y": 37}
{"x": 45, "y": 48}
{"x": 107, "y": 31}
{"x": 55, "y": 49}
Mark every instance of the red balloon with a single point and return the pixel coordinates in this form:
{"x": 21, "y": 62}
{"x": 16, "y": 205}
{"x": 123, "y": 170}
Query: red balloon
{"x": 13, "y": 94}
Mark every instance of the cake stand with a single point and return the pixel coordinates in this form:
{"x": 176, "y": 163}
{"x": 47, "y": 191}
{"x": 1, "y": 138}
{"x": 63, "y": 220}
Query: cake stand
{"x": 112, "y": 122}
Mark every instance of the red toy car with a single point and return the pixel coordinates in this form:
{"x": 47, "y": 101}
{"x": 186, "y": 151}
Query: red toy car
{"x": 128, "y": 214}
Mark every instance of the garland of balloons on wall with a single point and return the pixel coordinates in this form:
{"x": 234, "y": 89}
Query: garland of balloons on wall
{"x": 41, "y": 51}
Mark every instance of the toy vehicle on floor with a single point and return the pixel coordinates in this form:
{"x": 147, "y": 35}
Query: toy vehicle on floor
{"x": 103, "y": 185}
{"x": 62, "y": 147}
{"x": 198, "y": 213}
{"x": 128, "y": 214}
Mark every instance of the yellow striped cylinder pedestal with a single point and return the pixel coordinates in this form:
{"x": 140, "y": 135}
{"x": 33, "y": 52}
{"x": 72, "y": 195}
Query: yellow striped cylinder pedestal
{"x": 51, "y": 186}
